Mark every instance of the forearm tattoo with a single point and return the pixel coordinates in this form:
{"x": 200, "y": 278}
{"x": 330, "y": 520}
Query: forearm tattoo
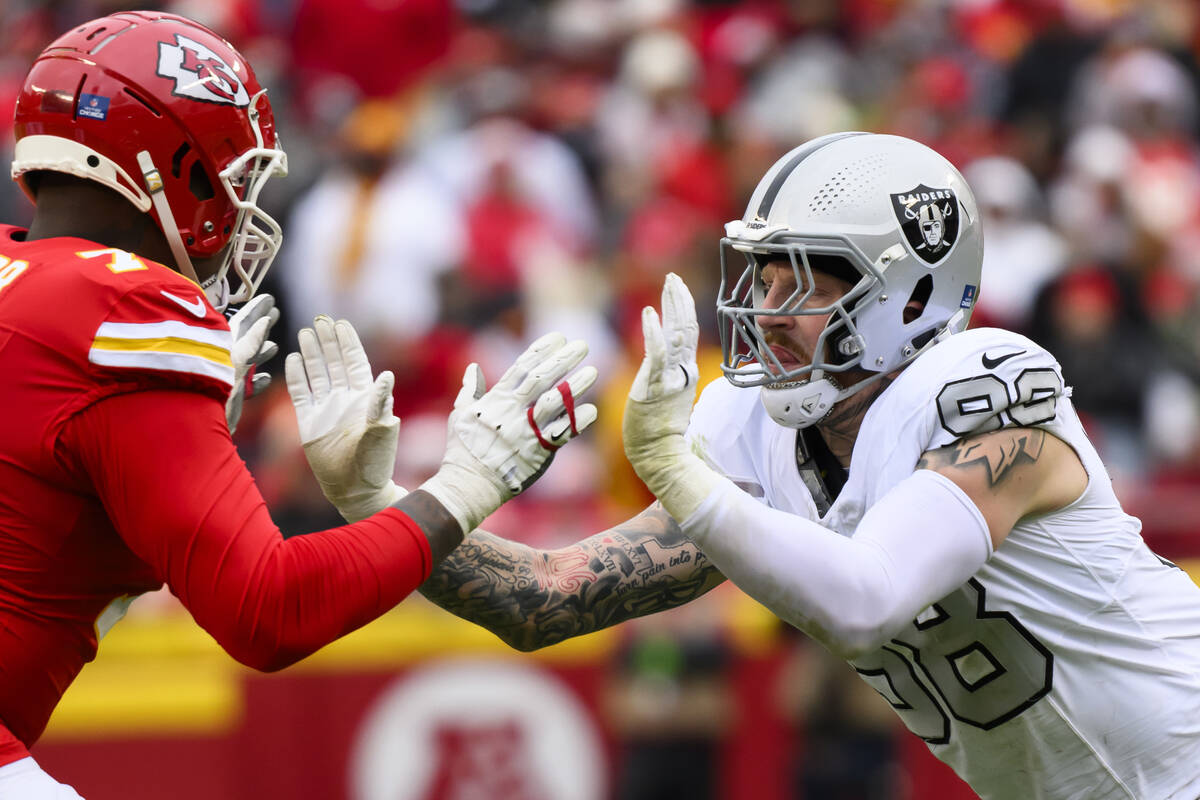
{"x": 533, "y": 598}
{"x": 1001, "y": 452}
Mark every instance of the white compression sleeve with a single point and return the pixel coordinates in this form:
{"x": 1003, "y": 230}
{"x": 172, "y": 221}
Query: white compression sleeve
{"x": 918, "y": 543}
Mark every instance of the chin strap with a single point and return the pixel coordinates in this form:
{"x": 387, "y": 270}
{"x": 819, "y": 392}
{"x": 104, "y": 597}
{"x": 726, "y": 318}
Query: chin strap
{"x": 158, "y": 198}
{"x": 956, "y": 324}
{"x": 217, "y": 292}
{"x": 803, "y": 404}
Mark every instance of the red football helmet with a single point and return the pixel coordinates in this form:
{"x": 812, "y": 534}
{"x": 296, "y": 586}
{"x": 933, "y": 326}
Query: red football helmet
{"x": 168, "y": 114}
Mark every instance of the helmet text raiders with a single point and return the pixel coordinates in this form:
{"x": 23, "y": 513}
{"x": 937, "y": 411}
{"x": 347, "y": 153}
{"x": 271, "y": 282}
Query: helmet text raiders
{"x": 887, "y": 214}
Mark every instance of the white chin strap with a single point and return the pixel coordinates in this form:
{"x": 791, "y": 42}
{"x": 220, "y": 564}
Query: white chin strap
{"x": 216, "y": 289}
{"x": 800, "y": 405}
{"x": 154, "y": 185}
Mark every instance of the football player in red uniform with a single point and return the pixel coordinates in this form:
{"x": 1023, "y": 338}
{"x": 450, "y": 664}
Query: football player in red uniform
{"x": 144, "y": 139}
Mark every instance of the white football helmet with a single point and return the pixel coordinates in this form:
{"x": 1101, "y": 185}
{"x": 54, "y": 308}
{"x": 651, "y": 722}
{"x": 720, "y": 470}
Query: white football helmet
{"x": 886, "y": 213}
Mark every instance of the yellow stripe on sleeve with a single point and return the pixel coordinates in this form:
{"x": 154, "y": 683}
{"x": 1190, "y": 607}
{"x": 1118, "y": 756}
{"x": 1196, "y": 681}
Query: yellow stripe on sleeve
{"x": 166, "y": 344}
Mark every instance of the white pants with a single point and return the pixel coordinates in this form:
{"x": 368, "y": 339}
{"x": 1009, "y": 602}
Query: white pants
{"x": 25, "y": 780}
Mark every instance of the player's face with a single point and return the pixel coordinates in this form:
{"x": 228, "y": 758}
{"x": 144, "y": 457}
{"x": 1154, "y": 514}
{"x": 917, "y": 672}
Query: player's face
{"x": 793, "y": 339}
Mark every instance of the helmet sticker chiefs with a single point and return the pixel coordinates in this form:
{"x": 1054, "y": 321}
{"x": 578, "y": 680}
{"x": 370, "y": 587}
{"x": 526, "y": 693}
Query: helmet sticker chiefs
{"x": 200, "y": 73}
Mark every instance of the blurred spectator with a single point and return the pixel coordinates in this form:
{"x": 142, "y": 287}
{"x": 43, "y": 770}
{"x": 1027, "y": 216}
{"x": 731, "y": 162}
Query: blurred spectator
{"x": 502, "y": 156}
{"x": 848, "y": 731}
{"x": 1040, "y": 82}
{"x": 1107, "y": 356}
{"x": 669, "y": 705}
{"x": 1021, "y": 252}
{"x": 1088, "y": 202}
{"x": 652, "y": 121}
{"x": 816, "y": 69}
{"x": 368, "y": 241}
{"x": 347, "y": 50}
{"x": 1137, "y": 88}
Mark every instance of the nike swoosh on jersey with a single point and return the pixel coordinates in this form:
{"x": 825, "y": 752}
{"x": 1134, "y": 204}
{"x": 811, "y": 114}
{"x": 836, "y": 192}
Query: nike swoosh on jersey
{"x": 992, "y": 363}
{"x": 195, "y": 307}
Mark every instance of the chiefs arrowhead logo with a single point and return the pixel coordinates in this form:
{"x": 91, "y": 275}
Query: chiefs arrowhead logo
{"x": 929, "y": 219}
{"x": 199, "y": 73}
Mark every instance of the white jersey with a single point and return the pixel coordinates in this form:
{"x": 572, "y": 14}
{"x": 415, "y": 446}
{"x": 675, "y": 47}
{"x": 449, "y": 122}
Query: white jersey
{"x": 1069, "y": 665}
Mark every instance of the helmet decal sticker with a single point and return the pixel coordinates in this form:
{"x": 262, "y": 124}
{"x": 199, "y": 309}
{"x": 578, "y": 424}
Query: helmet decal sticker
{"x": 968, "y": 298}
{"x": 929, "y": 219}
{"x": 200, "y": 73}
{"x": 93, "y": 106}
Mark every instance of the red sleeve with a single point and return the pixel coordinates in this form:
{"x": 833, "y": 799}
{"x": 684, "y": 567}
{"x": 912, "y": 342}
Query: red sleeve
{"x": 163, "y": 465}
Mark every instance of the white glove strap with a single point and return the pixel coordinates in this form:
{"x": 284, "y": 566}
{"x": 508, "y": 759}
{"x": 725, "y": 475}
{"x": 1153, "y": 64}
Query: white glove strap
{"x": 919, "y": 542}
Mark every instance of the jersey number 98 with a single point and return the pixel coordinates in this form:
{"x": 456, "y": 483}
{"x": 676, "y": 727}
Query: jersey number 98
{"x": 980, "y": 404}
{"x": 958, "y": 660}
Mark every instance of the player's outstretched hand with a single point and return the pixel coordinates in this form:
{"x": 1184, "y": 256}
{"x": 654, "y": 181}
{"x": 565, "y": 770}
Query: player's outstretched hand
{"x": 660, "y": 401}
{"x": 250, "y": 326}
{"x": 669, "y": 367}
{"x": 500, "y": 441}
{"x": 346, "y": 422}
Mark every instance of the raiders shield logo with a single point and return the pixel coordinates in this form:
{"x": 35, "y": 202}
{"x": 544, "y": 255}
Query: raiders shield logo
{"x": 929, "y": 219}
{"x": 199, "y": 73}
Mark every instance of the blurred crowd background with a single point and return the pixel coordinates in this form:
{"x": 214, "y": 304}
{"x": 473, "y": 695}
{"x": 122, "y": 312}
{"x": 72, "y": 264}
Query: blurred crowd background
{"x": 468, "y": 175}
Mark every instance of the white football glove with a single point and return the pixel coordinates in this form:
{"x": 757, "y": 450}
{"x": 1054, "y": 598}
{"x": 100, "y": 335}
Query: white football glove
{"x": 660, "y": 402}
{"x": 346, "y": 423}
{"x": 250, "y": 326}
{"x": 501, "y": 441}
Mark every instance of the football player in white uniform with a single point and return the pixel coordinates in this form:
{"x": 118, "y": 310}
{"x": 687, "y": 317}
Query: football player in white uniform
{"x": 919, "y": 498}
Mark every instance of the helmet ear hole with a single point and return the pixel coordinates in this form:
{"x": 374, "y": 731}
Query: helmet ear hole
{"x": 199, "y": 184}
{"x": 915, "y": 307}
{"x": 177, "y": 159}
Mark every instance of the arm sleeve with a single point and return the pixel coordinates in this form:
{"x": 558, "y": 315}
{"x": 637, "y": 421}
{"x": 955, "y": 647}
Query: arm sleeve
{"x": 919, "y": 542}
{"x": 166, "y": 471}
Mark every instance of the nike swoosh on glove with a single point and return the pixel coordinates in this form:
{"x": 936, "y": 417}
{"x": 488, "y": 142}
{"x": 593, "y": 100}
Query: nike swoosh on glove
{"x": 500, "y": 441}
{"x": 346, "y": 423}
{"x": 659, "y": 405}
{"x": 250, "y": 327}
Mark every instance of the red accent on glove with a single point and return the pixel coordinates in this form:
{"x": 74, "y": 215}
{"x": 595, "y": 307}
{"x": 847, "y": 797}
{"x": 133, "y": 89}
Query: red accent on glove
{"x": 537, "y": 432}
{"x": 564, "y": 388}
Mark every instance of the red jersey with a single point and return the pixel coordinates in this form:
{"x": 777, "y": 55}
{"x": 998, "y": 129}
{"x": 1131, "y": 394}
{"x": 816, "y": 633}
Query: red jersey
{"x": 117, "y": 474}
